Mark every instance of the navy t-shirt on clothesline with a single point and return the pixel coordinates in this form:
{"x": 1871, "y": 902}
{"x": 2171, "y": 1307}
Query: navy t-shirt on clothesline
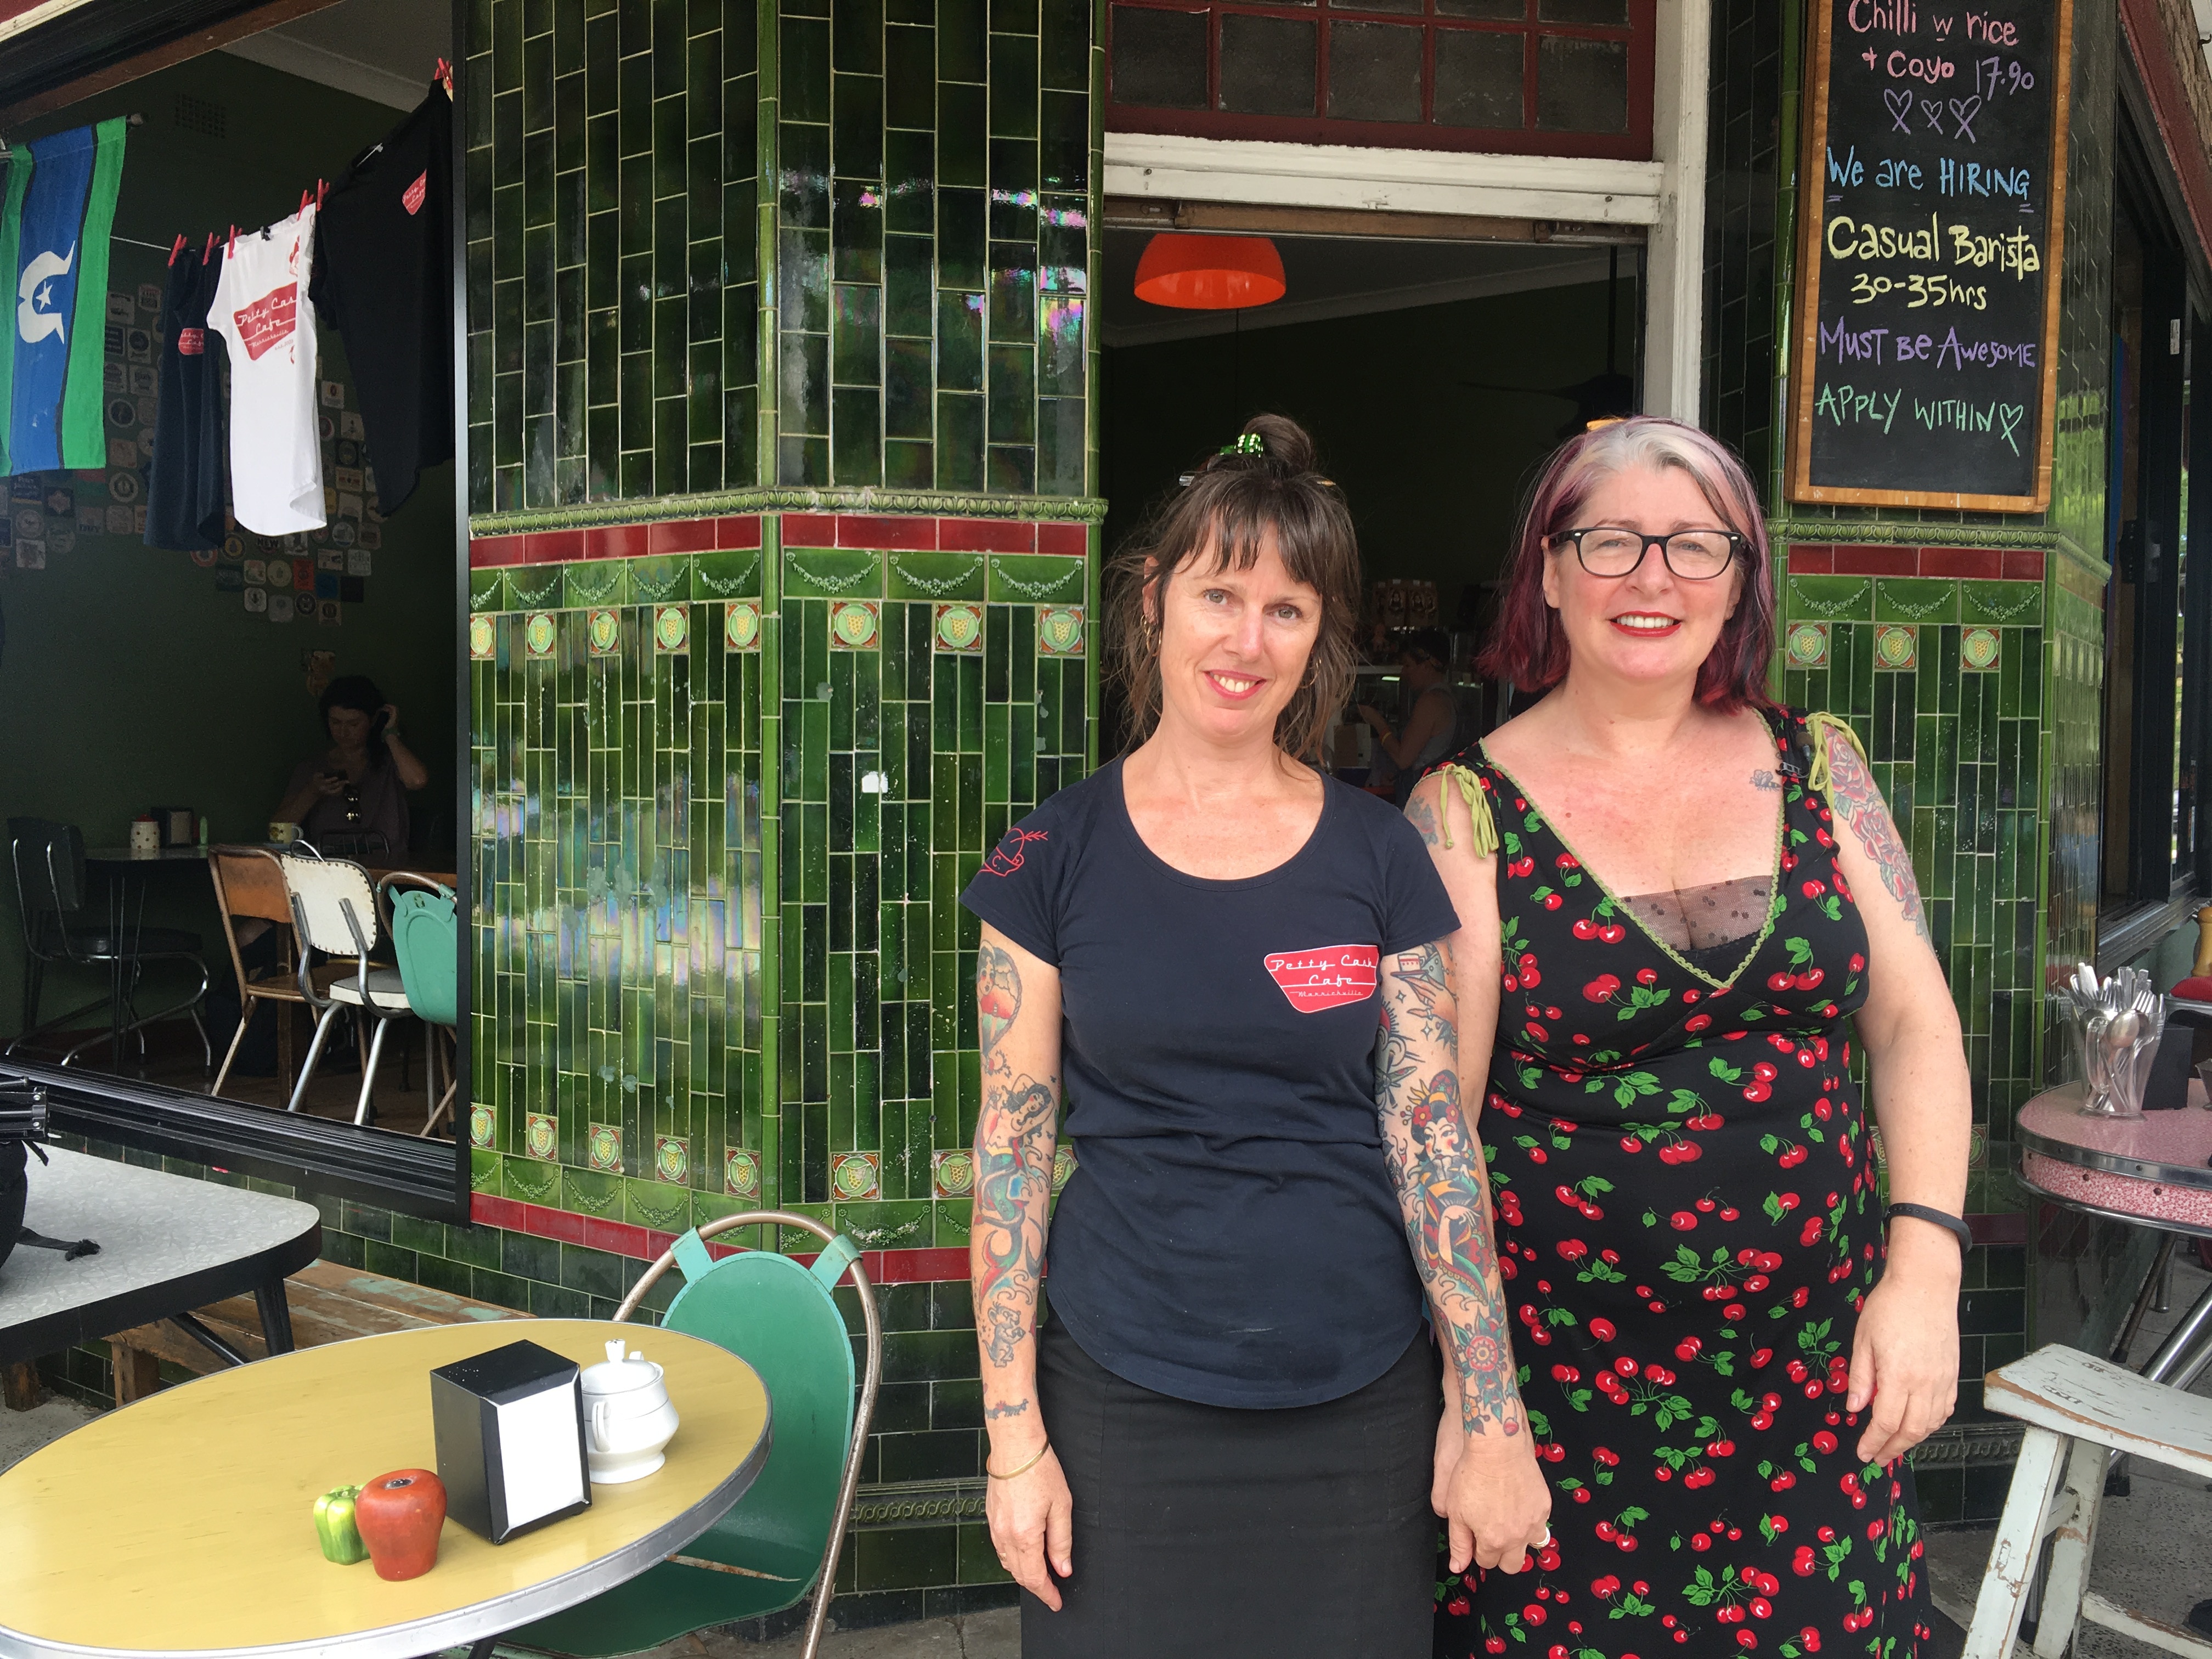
{"x": 1230, "y": 1235}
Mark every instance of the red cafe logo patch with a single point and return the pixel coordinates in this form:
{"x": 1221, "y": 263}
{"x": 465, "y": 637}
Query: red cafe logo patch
{"x": 269, "y": 320}
{"x": 1325, "y": 978}
{"x": 412, "y": 199}
{"x": 191, "y": 342}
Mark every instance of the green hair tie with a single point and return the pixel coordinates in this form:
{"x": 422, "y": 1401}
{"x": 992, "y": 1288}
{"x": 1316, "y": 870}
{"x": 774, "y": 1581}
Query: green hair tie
{"x": 1248, "y": 443}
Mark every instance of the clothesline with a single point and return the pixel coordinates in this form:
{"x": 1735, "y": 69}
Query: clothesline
{"x": 135, "y": 242}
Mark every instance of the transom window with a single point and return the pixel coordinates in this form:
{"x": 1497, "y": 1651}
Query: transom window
{"x": 1532, "y": 76}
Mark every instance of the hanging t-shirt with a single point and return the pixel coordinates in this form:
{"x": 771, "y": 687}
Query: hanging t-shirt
{"x": 1231, "y": 1234}
{"x": 275, "y": 448}
{"x": 384, "y": 279}
{"x": 184, "y": 490}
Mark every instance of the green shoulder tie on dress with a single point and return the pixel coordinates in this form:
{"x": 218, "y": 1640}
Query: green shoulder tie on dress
{"x": 1818, "y": 726}
{"x": 1484, "y": 835}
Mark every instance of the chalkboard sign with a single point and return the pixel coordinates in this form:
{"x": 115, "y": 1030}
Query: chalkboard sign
{"x": 1931, "y": 226}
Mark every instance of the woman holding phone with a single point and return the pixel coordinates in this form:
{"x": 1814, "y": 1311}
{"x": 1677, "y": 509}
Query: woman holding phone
{"x": 1228, "y": 1436}
{"x": 353, "y": 798}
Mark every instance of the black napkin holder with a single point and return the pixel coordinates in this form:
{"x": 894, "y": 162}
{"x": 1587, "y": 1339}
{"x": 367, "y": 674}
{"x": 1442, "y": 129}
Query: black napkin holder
{"x": 2166, "y": 1088}
{"x": 510, "y": 1432}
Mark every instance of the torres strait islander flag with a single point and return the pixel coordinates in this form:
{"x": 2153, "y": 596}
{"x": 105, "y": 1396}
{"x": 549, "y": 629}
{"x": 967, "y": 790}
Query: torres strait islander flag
{"x": 54, "y": 224}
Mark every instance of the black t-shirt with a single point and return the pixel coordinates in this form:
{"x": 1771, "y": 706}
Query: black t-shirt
{"x": 1231, "y": 1234}
{"x": 384, "y": 279}
{"x": 185, "y": 482}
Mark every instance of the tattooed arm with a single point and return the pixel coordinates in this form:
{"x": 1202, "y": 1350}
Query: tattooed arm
{"x": 1905, "y": 1355}
{"x": 1017, "y": 1016}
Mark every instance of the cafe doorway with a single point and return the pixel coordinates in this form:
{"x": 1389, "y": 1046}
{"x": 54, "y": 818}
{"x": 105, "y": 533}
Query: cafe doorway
{"x": 1434, "y": 375}
{"x": 201, "y": 685}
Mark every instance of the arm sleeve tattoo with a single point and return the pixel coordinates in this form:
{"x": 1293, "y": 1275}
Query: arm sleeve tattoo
{"x": 1437, "y": 1165}
{"x": 1015, "y": 1137}
{"x": 1857, "y": 803}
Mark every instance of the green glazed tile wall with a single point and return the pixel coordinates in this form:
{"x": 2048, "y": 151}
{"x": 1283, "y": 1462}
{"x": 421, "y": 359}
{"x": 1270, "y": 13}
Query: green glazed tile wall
{"x": 934, "y": 165}
{"x": 613, "y": 162}
{"x": 1958, "y": 751}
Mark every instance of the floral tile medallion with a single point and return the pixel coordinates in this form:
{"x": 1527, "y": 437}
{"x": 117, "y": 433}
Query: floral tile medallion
{"x": 603, "y": 1148}
{"x": 741, "y": 624}
{"x": 953, "y": 1173}
{"x": 671, "y": 1157}
{"x": 541, "y": 1136}
{"x": 855, "y": 624}
{"x": 539, "y": 634}
{"x": 603, "y": 633}
{"x": 671, "y": 627}
{"x": 1896, "y": 647}
{"x": 959, "y": 627}
{"x": 1808, "y": 645}
{"x": 1059, "y": 630}
{"x": 484, "y": 1124}
{"x": 480, "y": 638}
{"x": 741, "y": 1172}
{"x": 1979, "y": 649}
{"x": 856, "y": 1175}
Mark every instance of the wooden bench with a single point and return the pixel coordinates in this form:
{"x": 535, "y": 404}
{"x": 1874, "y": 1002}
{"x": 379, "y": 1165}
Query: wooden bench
{"x": 329, "y": 1303}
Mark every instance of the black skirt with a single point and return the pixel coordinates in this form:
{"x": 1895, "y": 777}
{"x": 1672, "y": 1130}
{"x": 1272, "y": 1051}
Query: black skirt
{"x": 1205, "y": 1532}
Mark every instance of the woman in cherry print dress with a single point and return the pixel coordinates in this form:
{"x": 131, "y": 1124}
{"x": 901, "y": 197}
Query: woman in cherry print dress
{"x": 1696, "y": 903}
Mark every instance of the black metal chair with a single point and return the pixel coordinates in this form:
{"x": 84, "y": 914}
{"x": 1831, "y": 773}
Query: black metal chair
{"x": 48, "y": 861}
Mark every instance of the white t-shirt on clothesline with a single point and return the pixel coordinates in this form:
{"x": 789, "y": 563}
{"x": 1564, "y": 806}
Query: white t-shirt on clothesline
{"x": 260, "y": 308}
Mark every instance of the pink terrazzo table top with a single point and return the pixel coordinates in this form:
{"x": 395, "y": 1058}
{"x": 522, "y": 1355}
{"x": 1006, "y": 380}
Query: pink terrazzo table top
{"x": 2154, "y": 1167}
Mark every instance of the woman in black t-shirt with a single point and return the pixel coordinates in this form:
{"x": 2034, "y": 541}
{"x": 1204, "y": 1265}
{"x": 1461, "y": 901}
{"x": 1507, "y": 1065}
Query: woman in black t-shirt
{"x": 1228, "y": 1436}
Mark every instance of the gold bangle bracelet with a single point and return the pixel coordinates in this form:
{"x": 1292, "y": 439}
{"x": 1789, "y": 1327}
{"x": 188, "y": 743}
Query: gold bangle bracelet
{"x": 1023, "y": 1469}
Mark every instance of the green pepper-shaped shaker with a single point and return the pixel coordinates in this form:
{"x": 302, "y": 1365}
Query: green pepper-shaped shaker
{"x": 335, "y": 1530}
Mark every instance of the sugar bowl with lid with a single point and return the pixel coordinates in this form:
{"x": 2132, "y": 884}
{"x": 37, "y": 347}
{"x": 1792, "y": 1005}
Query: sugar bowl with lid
{"x": 629, "y": 1418}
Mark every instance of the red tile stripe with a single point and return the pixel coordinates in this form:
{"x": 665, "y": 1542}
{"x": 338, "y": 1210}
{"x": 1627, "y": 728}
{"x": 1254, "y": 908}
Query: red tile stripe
{"x": 1988, "y": 564}
{"x": 924, "y": 1267}
{"x": 801, "y": 530}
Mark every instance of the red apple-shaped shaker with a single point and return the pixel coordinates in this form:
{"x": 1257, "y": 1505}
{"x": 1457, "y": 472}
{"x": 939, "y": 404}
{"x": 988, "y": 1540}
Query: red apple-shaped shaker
{"x": 398, "y": 1515}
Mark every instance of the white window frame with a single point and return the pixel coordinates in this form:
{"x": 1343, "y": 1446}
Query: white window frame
{"x": 1665, "y": 195}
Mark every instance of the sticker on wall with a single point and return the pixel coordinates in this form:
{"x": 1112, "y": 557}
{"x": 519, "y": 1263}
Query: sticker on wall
{"x": 603, "y": 633}
{"x": 1059, "y": 630}
{"x": 672, "y": 1158}
{"x": 30, "y": 555}
{"x": 283, "y": 607}
{"x": 329, "y": 612}
{"x": 1896, "y": 648}
{"x": 349, "y": 426}
{"x": 1978, "y": 649}
{"x": 1808, "y": 645}
{"x": 279, "y": 573}
{"x": 229, "y": 578}
{"x": 538, "y": 633}
{"x": 118, "y": 521}
{"x": 483, "y": 1121}
{"x": 959, "y": 627}
{"x": 741, "y": 620}
{"x": 541, "y": 1135}
{"x": 329, "y": 558}
{"x": 480, "y": 638}
{"x": 671, "y": 627}
{"x": 854, "y": 1175}
{"x": 953, "y": 1173}
{"x": 1063, "y": 1166}
{"x": 125, "y": 486}
{"x": 603, "y": 1147}
{"x": 855, "y": 624}
{"x": 201, "y": 556}
{"x": 234, "y": 550}
{"x": 120, "y": 309}
{"x": 256, "y": 600}
{"x": 741, "y": 1172}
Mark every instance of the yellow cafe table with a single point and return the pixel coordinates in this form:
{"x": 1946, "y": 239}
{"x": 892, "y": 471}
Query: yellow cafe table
{"x": 183, "y": 1524}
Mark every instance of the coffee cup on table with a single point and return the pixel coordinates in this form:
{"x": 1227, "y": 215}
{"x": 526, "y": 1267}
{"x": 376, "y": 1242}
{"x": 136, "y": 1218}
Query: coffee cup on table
{"x": 145, "y": 835}
{"x": 284, "y": 835}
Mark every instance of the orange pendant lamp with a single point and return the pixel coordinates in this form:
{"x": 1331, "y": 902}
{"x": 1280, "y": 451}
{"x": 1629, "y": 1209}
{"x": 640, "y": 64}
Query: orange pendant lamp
{"x": 1210, "y": 273}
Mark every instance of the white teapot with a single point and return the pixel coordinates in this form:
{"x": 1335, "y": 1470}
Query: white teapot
{"x": 628, "y": 1416}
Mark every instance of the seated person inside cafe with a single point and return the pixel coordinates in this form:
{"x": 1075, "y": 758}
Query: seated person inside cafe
{"x": 352, "y": 799}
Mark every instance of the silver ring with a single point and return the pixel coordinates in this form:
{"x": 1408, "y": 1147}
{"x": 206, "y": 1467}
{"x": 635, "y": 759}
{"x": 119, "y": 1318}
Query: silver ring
{"x": 1545, "y": 1542}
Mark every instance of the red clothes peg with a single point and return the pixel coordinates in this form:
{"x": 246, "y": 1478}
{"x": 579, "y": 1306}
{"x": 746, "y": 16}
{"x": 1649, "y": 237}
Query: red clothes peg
{"x": 302, "y": 208}
{"x": 322, "y": 187}
{"x": 176, "y": 247}
{"x": 231, "y": 249}
{"x": 444, "y": 75}
{"x": 207, "y": 252}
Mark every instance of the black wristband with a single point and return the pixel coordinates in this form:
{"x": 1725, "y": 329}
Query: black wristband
{"x": 1951, "y": 1223}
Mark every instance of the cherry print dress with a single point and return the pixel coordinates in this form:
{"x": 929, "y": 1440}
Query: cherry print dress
{"x": 1687, "y": 1224}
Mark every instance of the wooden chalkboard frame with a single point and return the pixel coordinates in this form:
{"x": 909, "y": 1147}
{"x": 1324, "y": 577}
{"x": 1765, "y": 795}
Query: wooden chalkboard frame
{"x": 1811, "y": 176}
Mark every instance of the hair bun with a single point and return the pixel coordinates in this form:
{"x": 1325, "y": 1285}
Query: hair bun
{"x": 1287, "y": 441}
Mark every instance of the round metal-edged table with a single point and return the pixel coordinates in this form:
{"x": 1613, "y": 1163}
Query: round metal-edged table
{"x": 183, "y": 1525}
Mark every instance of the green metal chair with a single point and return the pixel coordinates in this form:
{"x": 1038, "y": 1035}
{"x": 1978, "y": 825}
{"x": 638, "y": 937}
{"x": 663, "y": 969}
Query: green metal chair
{"x": 426, "y": 943}
{"x": 783, "y": 1536}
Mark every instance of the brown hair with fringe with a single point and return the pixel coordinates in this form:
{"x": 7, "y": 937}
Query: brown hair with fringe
{"x": 1229, "y": 506}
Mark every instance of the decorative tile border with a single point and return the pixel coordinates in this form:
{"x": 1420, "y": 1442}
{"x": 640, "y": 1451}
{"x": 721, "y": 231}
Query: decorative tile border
{"x": 870, "y": 532}
{"x": 2011, "y": 564}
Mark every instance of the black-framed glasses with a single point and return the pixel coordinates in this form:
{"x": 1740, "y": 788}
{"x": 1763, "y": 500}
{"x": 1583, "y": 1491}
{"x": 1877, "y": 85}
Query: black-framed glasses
{"x": 1695, "y": 555}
